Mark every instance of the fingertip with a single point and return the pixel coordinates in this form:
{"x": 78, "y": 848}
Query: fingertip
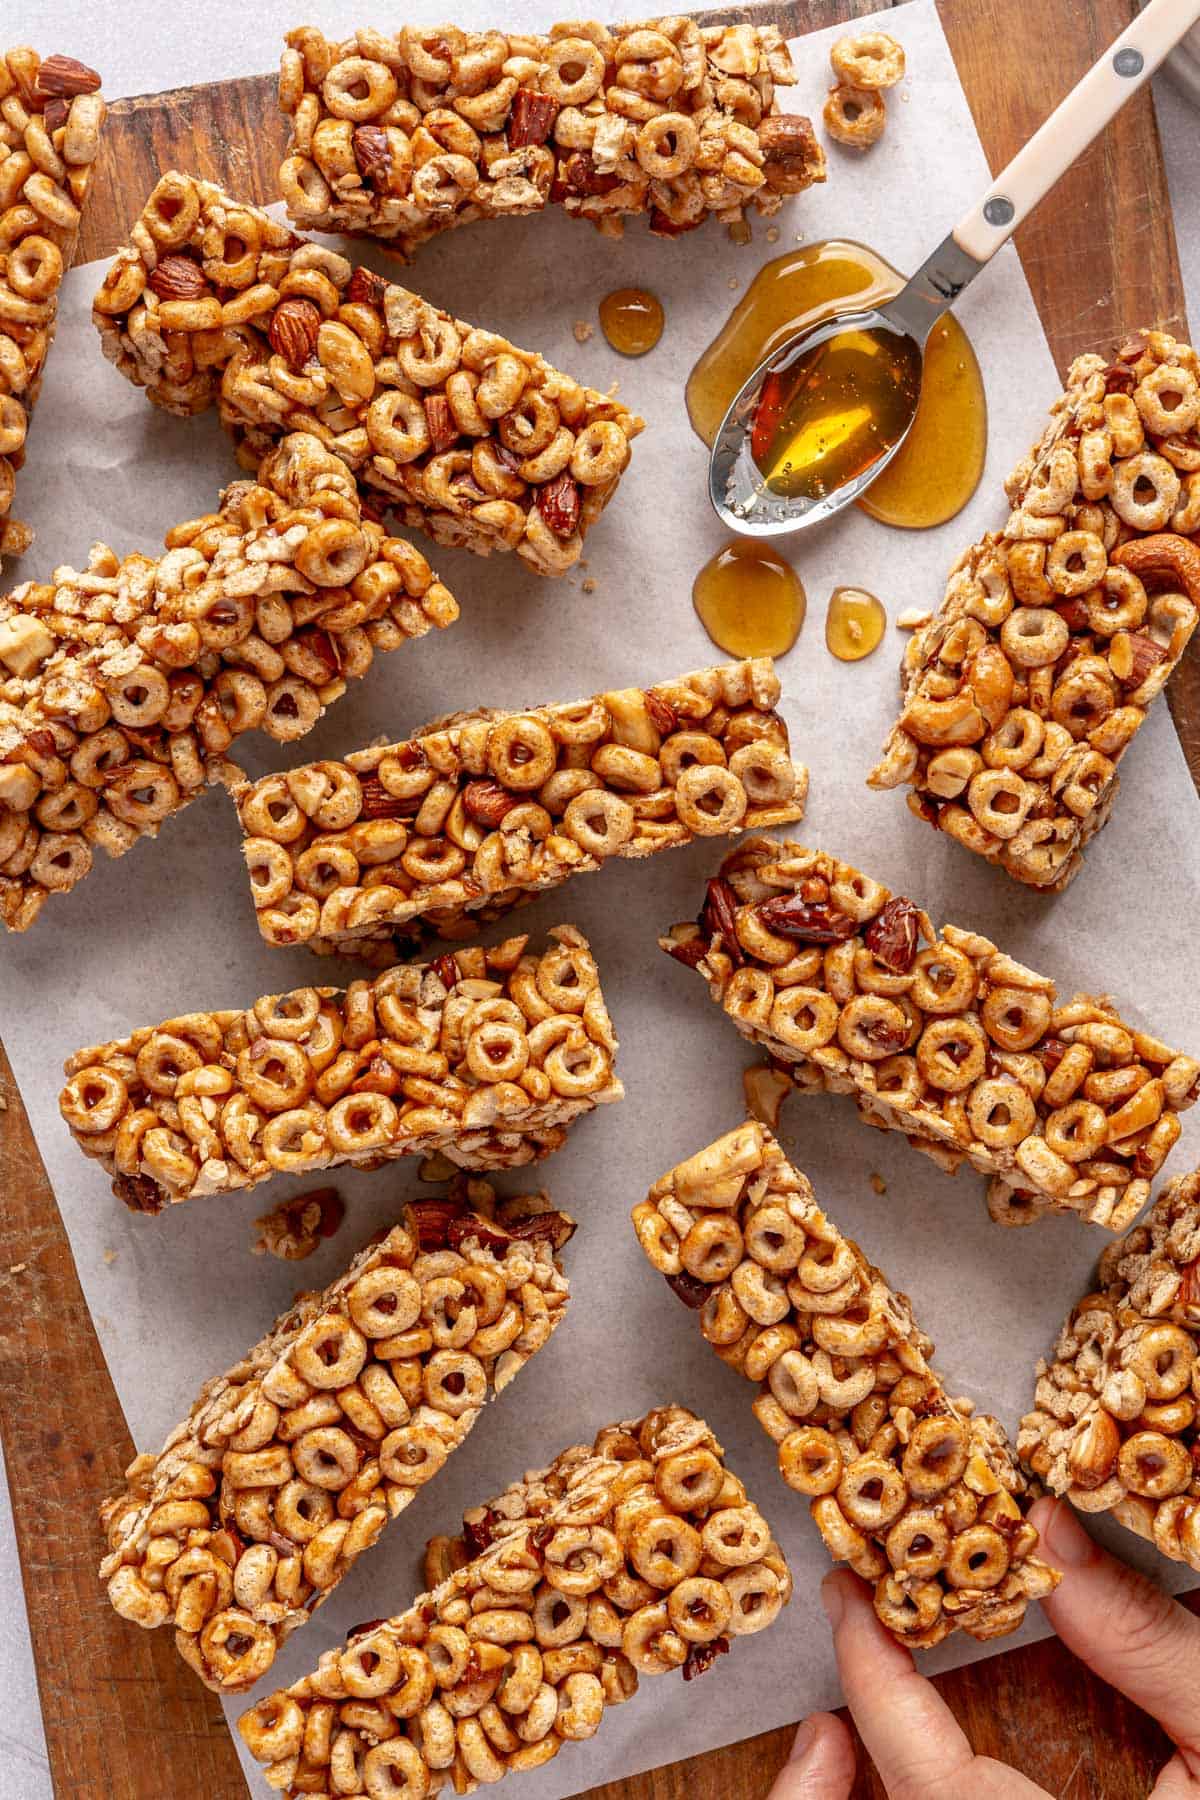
{"x": 1064, "y": 1541}
{"x": 821, "y": 1764}
{"x": 839, "y": 1589}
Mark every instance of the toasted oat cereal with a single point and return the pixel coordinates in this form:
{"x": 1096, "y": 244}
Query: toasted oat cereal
{"x": 403, "y": 135}
{"x": 466, "y": 819}
{"x": 291, "y": 1464}
{"x": 942, "y": 1036}
{"x": 123, "y": 684}
{"x": 1056, "y": 634}
{"x": 484, "y": 1055}
{"x": 920, "y": 1494}
{"x": 447, "y": 424}
{"x": 1114, "y": 1419}
{"x": 51, "y": 114}
{"x": 633, "y": 1556}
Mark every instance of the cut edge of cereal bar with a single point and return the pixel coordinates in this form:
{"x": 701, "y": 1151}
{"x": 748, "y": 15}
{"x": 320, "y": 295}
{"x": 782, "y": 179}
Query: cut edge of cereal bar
{"x": 920, "y": 1494}
{"x": 123, "y": 684}
{"x": 403, "y": 136}
{"x": 291, "y": 1464}
{"x": 1113, "y": 1425}
{"x": 447, "y": 424}
{"x": 956, "y": 1044}
{"x": 424, "y": 1058}
{"x": 633, "y": 1556}
{"x": 53, "y": 113}
{"x": 454, "y": 826}
{"x": 1021, "y": 695}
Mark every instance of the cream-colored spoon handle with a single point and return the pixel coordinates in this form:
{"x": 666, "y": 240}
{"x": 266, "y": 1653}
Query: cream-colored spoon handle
{"x": 1121, "y": 71}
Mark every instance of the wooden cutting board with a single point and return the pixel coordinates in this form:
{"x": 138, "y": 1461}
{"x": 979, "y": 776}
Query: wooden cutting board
{"x": 124, "y": 1719}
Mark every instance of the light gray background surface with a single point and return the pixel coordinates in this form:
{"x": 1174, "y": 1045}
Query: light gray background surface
{"x": 129, "y": 45}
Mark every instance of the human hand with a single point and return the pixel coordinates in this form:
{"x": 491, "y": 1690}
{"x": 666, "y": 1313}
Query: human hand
{"x": 1118, "y": 1623}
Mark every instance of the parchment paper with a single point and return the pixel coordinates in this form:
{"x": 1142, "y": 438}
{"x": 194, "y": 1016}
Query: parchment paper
{"x": 169, "y": 927}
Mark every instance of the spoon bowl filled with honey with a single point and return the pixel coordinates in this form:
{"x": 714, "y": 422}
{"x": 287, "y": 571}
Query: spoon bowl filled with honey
{"x": 823, "y": 414}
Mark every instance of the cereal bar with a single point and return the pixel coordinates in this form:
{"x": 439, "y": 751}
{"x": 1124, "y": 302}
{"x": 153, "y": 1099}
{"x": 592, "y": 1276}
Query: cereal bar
{"x": 485, "y": 1055}
{"x": 123, "y": 684}
{"x": 469, "y": 818}
{"x": 920, "y": 1494}
{"x": 946, "y": 1038}
{"x": 1114, "y": 1420}
{"x": 447, "y": 424}
{"x": 635, "y": 1556}
{"x": 51, "y": 114}
{"x": 402, "y": 135}
{"x": 1022, "y": 694}
{"x": 291, "y": 1464}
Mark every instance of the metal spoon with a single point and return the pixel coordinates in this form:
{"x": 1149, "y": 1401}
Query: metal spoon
{"x": 898, "y": 330}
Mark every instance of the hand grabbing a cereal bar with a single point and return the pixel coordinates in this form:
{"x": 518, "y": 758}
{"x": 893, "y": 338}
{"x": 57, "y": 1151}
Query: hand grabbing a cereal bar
{"x": 1115, "y": 1621}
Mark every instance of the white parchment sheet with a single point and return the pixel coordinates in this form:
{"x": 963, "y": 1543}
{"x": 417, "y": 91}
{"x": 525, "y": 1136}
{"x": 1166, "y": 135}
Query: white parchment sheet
{"x": 169, "y": 928}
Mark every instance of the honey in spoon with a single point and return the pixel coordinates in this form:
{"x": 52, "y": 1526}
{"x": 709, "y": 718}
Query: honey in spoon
{"x": 749, "y": 600}
{"x": 938, "y": 467}
{"x": 824, "y": 419}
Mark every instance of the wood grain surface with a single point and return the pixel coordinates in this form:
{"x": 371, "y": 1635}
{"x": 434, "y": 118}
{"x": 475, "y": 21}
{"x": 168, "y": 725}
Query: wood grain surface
{"x": 124, "y": 1718}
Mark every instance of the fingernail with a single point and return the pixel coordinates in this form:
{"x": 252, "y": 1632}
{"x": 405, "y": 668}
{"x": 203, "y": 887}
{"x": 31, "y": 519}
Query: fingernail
{"x": 802, "y": 1743}
{"x": 1067, "y": 1542}
{"x": 832, "y": 1600}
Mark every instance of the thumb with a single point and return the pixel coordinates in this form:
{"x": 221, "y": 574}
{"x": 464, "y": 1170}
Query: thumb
{"x": 821, "y": 1763}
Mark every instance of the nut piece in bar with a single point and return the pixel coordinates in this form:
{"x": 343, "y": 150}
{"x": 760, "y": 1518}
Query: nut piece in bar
{"x": 122, "y": 685}
{"x": 291, "y": 1464}
{"x": 1114, "y": 1420}
{"x": 402, "y": 135}
{"x": 922, "y": 1496}
{"x": 636, "y": 1555}
{"x": 941, "y": 1036}
{"x": 450, "y": 426}
{"x": 51, "y": 114}
{"x": 484, "y": 1055}
{"x": 467, "y": 819}
{"x": 1022, "y": 694}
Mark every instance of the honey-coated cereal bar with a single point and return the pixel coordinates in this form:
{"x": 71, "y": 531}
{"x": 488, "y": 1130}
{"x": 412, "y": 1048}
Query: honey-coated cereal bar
{"x": 402, "y": 135}
{"x": 445, "y": 423}
{"x": 484, "y": 1055}
{"x": 291, "y": 1464}
{"x": 1022, "y": 694}
{"x": 467, "y": 819}
{"x": 123, "y": 684}
{"x": 944, "y": 1037}
{"x": 51, "y": 114}
{"x": 920, "y": 1494}
{"x": 1114, "y": 1420}
{"x": 636, "y": 1555}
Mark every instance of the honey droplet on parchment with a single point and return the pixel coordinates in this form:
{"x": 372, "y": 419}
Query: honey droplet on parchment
{"x": 632, "y": 320}
{"x": 749, "y": 600}
{"x": 854, "y": 624}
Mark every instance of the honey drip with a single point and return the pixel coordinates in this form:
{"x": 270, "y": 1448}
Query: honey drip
{"x": 749, "y": 600}
{"x": 854, "y": 624}
{"x": 938, "y": 467}
{"x": 632, "y": 320}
